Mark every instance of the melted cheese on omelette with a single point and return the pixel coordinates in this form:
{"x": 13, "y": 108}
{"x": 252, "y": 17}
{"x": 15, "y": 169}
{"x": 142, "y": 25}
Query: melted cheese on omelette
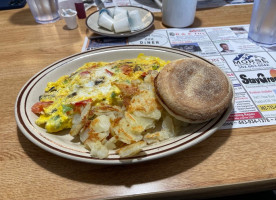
{"x": 93, "y": 81}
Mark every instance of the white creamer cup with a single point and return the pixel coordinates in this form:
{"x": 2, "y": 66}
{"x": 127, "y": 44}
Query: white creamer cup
{"x": 177, "y": 13}
{"x": 105, "y": 21}
{"x": 70, "y": 19}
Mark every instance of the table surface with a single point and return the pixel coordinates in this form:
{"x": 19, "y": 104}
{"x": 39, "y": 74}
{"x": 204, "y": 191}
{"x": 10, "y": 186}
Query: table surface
{"x": 228, "y": 162}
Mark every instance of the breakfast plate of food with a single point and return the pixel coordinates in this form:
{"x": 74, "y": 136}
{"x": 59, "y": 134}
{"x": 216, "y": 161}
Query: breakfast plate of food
{"x": 124, "y": 104}
{"x": 124, "y": 21}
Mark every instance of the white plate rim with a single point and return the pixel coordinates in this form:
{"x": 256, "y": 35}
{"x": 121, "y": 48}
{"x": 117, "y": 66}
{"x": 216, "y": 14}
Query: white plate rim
{"x": 206, "y": 129}
{"x": 125, "y": 34}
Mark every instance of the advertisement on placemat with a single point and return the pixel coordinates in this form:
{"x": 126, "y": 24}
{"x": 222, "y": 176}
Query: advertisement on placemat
{"x": 251, "y": 68}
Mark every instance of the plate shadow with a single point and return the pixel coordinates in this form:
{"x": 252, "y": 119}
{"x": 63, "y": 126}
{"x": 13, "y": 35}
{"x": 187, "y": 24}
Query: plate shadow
{"x": 126, "y": 175}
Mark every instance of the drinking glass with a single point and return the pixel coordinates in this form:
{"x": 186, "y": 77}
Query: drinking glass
{"x": 262, "y": 28}
{"x": 44, "y": 11}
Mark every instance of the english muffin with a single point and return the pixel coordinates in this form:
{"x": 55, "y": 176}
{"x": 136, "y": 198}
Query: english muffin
{"x": 193, "y": 90}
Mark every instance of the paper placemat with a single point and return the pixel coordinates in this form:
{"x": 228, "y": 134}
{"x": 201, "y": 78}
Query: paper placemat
{"x": 251, "y": 68}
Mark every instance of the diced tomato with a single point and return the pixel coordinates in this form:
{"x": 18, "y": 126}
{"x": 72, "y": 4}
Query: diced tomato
{"x": 144, "y": 74}
{"x": 92, "y": 67}
{"x": 111, "y": 73}
{"x": 84, "y": 73}
{"x": 83, "y": 102}
{"x": 38, "y": 107}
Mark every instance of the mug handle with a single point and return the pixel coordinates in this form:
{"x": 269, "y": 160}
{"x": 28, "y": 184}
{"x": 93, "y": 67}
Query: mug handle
{"x": 158, "y": 2}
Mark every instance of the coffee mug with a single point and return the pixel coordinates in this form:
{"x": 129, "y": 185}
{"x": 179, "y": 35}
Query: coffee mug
{"x": 177, "y": 13}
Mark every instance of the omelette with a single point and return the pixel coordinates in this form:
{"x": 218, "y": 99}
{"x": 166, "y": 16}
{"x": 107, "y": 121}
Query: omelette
{"x": 108, "y": 105}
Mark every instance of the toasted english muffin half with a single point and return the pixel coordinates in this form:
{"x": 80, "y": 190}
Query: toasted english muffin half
{"x": 193, "y": 90}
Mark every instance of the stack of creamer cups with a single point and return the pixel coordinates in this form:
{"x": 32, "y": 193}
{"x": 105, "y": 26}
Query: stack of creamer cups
{"x": 120, "y": 20}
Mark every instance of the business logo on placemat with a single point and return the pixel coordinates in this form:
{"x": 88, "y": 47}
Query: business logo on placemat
{"x": 158, "y": 39}
{"x": 258, "y": 79}
{"x": 153, "y": 39}
{"x": 244, "y": 61}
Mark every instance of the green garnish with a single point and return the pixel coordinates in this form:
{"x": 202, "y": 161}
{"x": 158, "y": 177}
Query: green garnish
{"x": 155, "y": 67}
{"x": 55, "y": 117}
{"x": 65, "y": 81}
{"x": 113, "y": 95}
{"x": 66, "y": 108}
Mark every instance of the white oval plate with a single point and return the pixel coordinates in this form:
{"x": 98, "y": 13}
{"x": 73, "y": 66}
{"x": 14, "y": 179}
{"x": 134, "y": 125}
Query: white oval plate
{"x": 146, "y": 15}
{"x": 64, "y": 144}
